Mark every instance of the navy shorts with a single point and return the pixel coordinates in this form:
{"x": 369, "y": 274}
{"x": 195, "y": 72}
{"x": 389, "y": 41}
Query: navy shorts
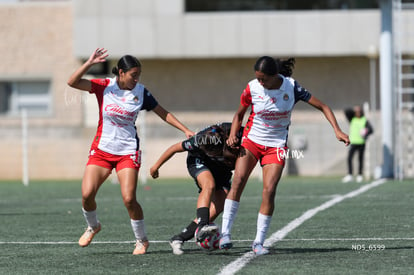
{"x": 222, "y": 174}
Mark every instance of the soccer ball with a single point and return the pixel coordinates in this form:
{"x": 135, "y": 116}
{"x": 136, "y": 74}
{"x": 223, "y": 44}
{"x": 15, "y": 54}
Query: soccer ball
{"x": 211, "y": 242}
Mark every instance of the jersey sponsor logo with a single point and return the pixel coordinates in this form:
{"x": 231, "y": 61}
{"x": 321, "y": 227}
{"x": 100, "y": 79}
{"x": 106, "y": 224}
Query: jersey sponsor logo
{"x": 273, "y": 115}
{"x": 114, "y": 108}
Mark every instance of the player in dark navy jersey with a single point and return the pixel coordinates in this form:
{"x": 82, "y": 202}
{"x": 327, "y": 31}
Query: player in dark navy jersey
{"x": 116, "y": 143}
{"x": 210, "y": 162}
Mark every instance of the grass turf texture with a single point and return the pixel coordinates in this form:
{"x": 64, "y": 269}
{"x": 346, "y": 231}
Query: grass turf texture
{"x": 33, "y": 218}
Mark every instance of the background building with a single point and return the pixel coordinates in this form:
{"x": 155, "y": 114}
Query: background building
{"x": 196, "y": 58}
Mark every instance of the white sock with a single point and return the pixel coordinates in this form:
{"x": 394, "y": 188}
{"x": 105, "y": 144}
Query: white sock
{"x": 263, "y": 223}
{"x": 229, "y": 214}
{"x": 138, "y": 226}
{"x": 91, "y": 218}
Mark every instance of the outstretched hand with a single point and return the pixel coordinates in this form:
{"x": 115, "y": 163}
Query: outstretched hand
{"x": 341, "y": 136}
{"x": 98, "y": 56}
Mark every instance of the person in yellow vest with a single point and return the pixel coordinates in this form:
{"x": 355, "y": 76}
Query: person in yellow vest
{"x": 359, "y": 130}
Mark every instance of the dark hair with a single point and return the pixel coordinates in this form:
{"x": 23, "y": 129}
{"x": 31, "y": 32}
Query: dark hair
{"x": 270, "y": 66}
{"x": 286, "y": 66}
{"x": 212, "y": 140}
{"x": 126, "y": 63}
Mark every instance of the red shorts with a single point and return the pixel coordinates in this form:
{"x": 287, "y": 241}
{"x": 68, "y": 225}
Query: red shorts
{"x": 265, "y": 154}
{"x": 110, "y": 161}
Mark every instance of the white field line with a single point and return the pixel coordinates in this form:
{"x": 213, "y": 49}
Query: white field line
{"x": 234, "y": 241}
{"x": 238, "y": 264}
{"x": 346, "y": 239}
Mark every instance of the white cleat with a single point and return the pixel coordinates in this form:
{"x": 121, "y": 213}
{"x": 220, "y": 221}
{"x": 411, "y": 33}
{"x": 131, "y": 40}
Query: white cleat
{"x": 176, "y": 246}
{"x": 259, "y": 249}
{"x": 225, "y": 242}
{"x": 347, "y": 178}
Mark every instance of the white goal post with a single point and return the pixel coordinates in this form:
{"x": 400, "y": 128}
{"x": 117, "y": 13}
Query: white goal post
{"x": 25, "y": 160}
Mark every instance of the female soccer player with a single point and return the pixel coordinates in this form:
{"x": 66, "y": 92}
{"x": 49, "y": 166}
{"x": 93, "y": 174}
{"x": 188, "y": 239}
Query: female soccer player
{"x": 272, "y": 96}
{"x": 116, "y": 144}
{"x": 210, "y": 162}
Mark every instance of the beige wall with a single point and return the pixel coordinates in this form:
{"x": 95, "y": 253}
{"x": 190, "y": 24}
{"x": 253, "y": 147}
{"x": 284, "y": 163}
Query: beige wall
{"x": 163, "y": 29}
{"x": 36, "y": 42}
{"x": 216, "y": 84}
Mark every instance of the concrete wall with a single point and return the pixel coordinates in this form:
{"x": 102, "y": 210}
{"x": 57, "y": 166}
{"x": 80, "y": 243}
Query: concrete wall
{"x": 36, "y": 43}
{"x": 162, "y": 29}
{"x": 216, "y": 84}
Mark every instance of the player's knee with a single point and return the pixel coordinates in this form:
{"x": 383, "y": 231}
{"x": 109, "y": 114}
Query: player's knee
{"x": 88, "y": 200}
{"x": 208, "y": 186}
{"x": 237, "y": 183}
{"x": 130, "y": 201}
{"x": 269, "y": 193}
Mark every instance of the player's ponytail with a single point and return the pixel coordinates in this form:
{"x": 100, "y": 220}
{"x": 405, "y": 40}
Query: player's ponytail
{"x": 115, "y": 71}
{"x": 286, "y": 66}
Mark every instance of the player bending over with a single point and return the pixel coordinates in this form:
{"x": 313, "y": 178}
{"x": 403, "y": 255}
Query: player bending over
{"x": 210, "y": 162}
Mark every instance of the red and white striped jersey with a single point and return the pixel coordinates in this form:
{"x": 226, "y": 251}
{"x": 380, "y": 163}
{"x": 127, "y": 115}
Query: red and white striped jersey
{"x": 118, "y": 111}
{"x": 269, "y": 119}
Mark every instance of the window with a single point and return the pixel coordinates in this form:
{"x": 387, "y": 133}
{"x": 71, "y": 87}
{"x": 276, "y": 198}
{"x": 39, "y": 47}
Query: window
{"x": 264, "y": 5}
{"x": 34, "y": 96}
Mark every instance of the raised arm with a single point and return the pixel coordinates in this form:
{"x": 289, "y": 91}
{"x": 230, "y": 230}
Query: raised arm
{"x": 76, "y": 81}
{"x": 172, "y": 120}
{"x": 176, "y": 148}
{"x": 341, "y": 136}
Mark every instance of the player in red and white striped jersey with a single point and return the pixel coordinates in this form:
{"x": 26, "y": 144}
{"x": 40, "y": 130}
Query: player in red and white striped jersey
{"x": 116, "y": 143}
{"x": 271, "y": 96}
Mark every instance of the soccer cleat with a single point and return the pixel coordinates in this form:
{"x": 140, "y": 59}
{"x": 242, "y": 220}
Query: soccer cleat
{"x": 176, "y": 246}
{"x": 205, "y": 231}
{"x": 359, "y": 178}
{"x": 347, "y": 178}
{"x": 141, "y": 247}
{"x": 258, "y": 249}
{"x": 87, "y": 237}
{"x": 225, "y": 242}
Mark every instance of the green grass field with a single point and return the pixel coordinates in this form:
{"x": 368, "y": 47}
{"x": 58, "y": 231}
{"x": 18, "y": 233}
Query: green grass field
{"x": 370, "y": 233}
